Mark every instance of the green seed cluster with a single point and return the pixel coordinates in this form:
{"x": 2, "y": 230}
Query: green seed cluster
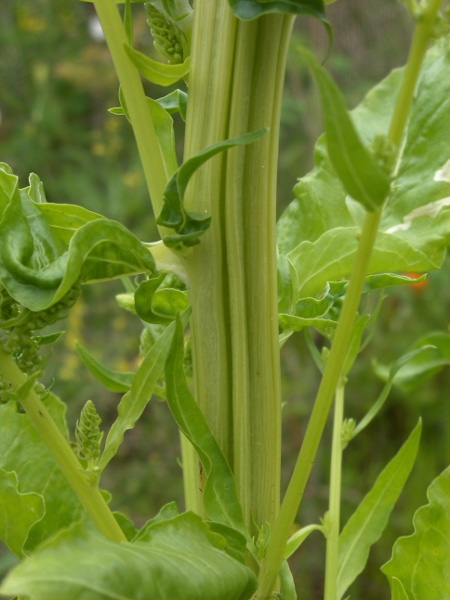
{"x": 6, "y": 393}
{"x": 20, "y": 324}
{"x": 88, "y": 434}
{"x": 169, "y": 40}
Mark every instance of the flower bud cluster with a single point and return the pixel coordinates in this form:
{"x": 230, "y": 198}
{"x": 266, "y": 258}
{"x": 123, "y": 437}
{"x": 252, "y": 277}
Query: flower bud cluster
{"x": 169, "y": 40}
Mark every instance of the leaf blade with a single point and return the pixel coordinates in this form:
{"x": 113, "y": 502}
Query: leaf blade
{"x": 365, "y": 526}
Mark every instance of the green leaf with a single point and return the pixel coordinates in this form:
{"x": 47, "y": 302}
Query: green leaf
{"x": 429, "y": 355}
{"x": 23, "y": 451}
{"x": 287, "y": 582}
{"x": 397, "y": 589}
{"x": 157, "y": 72}
{"x": 391, "y": 374}
{"x": 367, "y": 523}
{"x": 297, "y": 539}
{"x": 111, "y": 380}
{"x": 420, "y": 561}
{"x": 355, "y": 165}
{"x": 158, "y": 306}
{"x": 19, "y": 512}
{"x": 45, "y": 249}
{"x": 251, "y": 9}
{"x": 163, "y": 124}
{"x": 136, "y": 399}
{"x": 319, "y": 225}
{"x": 181, "y": 559}
{"x": 220, "y": 497}
{"x": 331, "y": 257}
{"x": 189, "y": 225}
{"x": 175, "y": 102}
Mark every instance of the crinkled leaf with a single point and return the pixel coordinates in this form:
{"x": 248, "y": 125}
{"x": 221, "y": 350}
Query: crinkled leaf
{"x": 421, "y": 561}
{"x": 158, "y": 306}
{"x": 367, "y": 523}
{"x": 133, "y": 403}
{"x": 111, "y": 380}
{"x": 19, "y": 512}
{"x": 23, "y": 451}
{"x": 251, "y": 9}
{"x": 189, "y": 225}
{"x": 331, "y": 257}
{"x": 415, "y": 227}
{"x": 45, "y": 250}
{"x": 168, "y": 511}
{"x": 181, "y": 559}
{"x": 8, "y": 186}
{"x": 354, "y": 164}
{"x": 220, "y": 497}
{"x": 157, "y": 72}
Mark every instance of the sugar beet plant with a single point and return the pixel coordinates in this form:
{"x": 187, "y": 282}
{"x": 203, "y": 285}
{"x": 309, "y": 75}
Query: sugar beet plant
{"x": 217, "y": 297}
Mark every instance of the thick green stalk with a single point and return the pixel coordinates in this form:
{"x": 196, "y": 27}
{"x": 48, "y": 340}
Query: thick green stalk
{"x": 89, "y": 495}
{"x": 236, "y": 80}
{"x": 274, "y": 554}
{"x": 130, "y": 81}
{"x": 334, "y": 506}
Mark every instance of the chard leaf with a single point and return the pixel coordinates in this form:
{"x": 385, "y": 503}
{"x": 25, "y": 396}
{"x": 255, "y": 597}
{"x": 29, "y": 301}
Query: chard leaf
{"x": 397, "y": 589}
{"x": 181, "y": 558}
{"x": 355, "y": 165}
{"x": 111, "y": 380}
{"x": 136, "y": 399}
{"x": 331, "y": 257}
{"x": 420, "y": 561}
{"x": 220, "y": 497}
{"x": 251, "y": 9}
{"x": 319, "y": 225}
{"x": 189, "y": 226}
{"x": 157, "y": 72}
{"x": 23, "y": 451}
{"x": 158, "y": 306}
{"x": 45, "y": 249}
{"x": 18, "y": 514}
{"x": 367, "y": 523}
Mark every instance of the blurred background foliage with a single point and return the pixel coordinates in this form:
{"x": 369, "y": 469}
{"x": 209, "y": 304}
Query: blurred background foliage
{"x": 56, "y": 83}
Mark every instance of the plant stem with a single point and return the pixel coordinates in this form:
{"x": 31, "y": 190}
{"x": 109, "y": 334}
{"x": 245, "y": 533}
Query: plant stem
{"x": 338, "y": 352}
{"x": 334, "y": 509}
{"x": 141, "y": 121}
{"x": 237, "y": 72}
{"x": 89, "y": 495}
{"x": 305, "y": 460}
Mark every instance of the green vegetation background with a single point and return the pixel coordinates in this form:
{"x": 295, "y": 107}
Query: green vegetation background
{"x": 56, "y": 82}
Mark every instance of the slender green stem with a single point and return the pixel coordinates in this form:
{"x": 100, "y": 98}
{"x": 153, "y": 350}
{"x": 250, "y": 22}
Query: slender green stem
{"x": 305, "y": 461}
{"x": 294, "y": 493}
{"x": 143, "y": 128}
{"x": 422, "y": 35}
{"x": 334, "y": 509}
{"x": 89, "y": 495}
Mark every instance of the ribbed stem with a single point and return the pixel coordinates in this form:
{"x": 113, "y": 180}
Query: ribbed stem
{"x": 232, "y": 274}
